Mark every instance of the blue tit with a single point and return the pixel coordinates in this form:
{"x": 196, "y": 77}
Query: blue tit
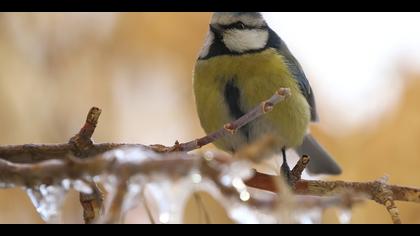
{"x": 243, "y": 62}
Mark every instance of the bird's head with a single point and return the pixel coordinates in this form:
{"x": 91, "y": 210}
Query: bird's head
{"x": 238, "y": 32}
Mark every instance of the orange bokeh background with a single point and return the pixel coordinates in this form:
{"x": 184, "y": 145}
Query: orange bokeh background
{"x": 137, "y": 67}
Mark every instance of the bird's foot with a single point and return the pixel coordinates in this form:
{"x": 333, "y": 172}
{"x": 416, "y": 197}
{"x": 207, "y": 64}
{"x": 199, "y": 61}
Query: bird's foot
{"x": 286, "y": 173}
{"x": 285, "y": 169}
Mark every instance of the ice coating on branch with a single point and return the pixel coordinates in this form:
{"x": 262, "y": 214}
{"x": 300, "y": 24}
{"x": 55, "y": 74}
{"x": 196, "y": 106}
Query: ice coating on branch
{"x": 82, "y": 187}
{"x": 131, "y": 155}
{"x": 247, "y": 215}
{"x": 170, "y": 197}
{"x": 344, "y": 215}
{"x": 169, "y": 192}
{"x": 309, "y": 216}
{"x": 48, "y": 200}
{"x": 134, "y": 192}
{"x": 234, "y": 173}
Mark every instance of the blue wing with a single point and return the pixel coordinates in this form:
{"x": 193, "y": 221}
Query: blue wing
{"x": 295, "y": 68}
{"x": 304, "y": 85}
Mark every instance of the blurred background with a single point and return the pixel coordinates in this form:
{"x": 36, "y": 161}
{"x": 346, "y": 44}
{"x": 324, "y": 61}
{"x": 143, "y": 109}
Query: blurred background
{"x": 137, "y": 67}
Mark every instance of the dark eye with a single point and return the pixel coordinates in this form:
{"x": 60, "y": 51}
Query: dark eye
{"x": 237, "y": 25}
{"x": 240, "y": 25}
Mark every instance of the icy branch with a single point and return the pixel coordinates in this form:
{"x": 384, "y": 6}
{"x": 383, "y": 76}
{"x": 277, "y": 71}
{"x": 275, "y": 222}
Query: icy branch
{"x": 80, "y": 162}
{"x": 378, "y": 190}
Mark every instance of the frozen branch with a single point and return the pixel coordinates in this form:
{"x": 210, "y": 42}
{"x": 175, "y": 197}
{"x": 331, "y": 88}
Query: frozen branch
{"x": 32, "y": 165}
{"x": 378, "y": 191}
{"x": 175, "y": 164}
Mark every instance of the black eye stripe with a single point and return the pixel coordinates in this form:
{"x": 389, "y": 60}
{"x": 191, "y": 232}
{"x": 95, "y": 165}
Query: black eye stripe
{"x": 240, "y": 25}
{"x": 236, "y": 25}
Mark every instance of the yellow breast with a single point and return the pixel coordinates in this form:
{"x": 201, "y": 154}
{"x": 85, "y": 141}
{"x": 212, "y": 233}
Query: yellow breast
{"x": 257, "y": 76}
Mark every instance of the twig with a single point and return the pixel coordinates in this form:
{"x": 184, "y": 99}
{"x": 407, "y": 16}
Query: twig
{"x": 92, "y": 204}
{"x": 382, "y": 194}
{"x": 81, "y": 144}
{"x": 378, "y": 191}
{"x": 229, "y": 128}
{"x": 32, "y": 153}
{"x": 82, "y": 141}
{"x": 296, "y": 172}
{"x": 176, "y": 164}
{"x": 30, "y": 165}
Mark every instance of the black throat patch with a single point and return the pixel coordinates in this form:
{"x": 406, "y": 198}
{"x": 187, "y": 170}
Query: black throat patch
{"x": 232, "y": 96}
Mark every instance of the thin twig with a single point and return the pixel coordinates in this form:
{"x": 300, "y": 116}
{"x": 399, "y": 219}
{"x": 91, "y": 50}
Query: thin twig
{"x": 179, "y": 164}
{"x": 81, "y": 144}
{"x": 92, "y": 204}
{"x": 30, "y": 165}
{"x": 34, "y": 153}
{"x": 30, "y": 153}
{"x": 379, "y": 190}
{"x": 296, "y": 172}
{"x": 229, "y": 128}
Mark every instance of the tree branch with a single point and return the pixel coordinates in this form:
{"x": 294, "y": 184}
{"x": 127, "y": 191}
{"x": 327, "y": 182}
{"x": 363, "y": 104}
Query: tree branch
{"x": 378, "y": 191}
{"x": 229, "y": 128}
{"x": 30, "y": 165}
{"x": 81, "y": 143}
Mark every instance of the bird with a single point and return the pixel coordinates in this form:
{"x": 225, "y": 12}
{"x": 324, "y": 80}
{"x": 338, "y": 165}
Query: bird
{"x": 242, "y": 63}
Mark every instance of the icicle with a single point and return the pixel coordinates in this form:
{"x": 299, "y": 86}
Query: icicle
{"x": 82, "y": 186}
{"x": 170, "y": 193}
{"x": 243, "y": 214}
{"x": 132, "y": 196}
{"x": 309, "y": 216}
{"x": 170, "y": 196}
{"x": 135, "y": 184}
{"x": 48, "y": 200}
{"x": 237, "y": 171}
{"x": 344, "y": 215}
{"x": 236, "y": 206}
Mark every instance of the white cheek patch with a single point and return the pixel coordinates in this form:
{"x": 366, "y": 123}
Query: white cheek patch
{"x": 244, "y": 40}
{"x": 207, "y": 43}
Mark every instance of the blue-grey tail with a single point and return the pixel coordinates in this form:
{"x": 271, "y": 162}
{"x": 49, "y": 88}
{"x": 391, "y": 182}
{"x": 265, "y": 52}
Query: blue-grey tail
{"x": 321, "y": 162}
